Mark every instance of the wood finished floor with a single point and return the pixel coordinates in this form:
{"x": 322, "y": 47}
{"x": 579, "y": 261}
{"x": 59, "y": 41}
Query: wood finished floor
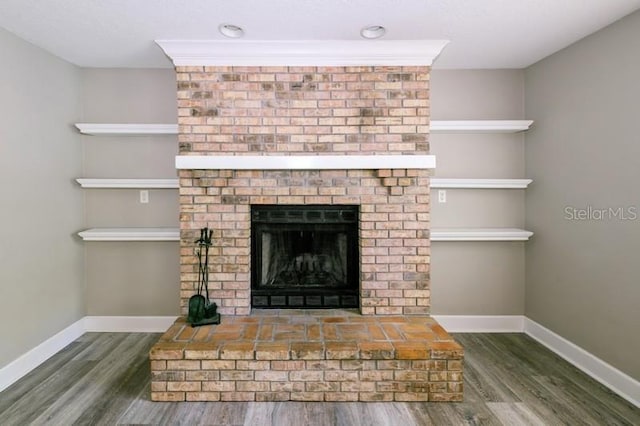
{"x": 103, "y": 379}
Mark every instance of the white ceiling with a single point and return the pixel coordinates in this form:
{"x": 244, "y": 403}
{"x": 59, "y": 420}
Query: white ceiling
{"x": 483, "y": 33}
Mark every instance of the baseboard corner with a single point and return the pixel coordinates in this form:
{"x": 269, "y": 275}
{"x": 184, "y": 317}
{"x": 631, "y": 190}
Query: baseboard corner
{"x": 622, "y": 384}
{"x": 21, "y": 366}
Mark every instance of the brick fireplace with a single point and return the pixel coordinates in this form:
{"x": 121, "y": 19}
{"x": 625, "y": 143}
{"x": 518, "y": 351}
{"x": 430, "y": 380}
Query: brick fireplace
{"x": 349, "y": 138}
{"x": 314, "y": 111}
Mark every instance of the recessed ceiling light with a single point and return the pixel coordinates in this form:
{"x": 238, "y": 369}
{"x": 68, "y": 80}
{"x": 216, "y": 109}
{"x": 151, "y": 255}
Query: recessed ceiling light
{"x": 231, "y": 31}
{"x": 373, "y": 31}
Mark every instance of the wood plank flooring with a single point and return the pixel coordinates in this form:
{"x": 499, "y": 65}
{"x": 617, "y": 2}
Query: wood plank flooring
{"x": 103, "y": 379}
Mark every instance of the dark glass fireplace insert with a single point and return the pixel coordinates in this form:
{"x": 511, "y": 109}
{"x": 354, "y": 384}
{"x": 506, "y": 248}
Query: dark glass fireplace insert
{"x": 304, "y": 256}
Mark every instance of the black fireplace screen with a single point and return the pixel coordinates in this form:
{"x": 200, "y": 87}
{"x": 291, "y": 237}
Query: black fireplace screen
{"x": 304, "y": 256}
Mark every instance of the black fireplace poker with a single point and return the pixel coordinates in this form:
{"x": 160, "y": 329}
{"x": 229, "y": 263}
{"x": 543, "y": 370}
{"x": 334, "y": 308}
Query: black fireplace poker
{"x": 202, "y": 310}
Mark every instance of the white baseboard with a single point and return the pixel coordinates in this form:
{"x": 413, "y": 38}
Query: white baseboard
{"x": 481, "y": 323}
{"x": 619, "y": 382}
{"x": 622, "y": 384}
{"x": 18, "y": 368}
{"x": 21, "y": 366}
{"x": 106, "y": 324}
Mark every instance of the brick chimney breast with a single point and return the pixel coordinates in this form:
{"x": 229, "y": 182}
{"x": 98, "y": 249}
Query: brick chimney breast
{"x": 308, "y": 111}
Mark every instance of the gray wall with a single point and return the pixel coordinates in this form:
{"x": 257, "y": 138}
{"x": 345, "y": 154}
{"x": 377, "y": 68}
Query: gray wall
{"x": 478, "y": 278}
{"x": 582, "y": 275}
{"x": 41, "y": 263}
{"x": 130, "y": 278}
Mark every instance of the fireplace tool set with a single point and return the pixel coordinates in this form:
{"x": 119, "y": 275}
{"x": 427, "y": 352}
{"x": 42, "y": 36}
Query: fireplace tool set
{"x": 202, "y": 311}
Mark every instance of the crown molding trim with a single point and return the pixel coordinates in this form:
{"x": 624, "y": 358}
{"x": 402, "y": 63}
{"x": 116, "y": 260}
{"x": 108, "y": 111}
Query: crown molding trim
{"x": 302, "y": 52}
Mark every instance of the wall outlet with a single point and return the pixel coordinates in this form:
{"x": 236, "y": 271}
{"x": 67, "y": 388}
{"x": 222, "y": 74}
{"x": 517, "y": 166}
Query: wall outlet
{"x": 144, "y": 196}
{"x": 442, "y": 196}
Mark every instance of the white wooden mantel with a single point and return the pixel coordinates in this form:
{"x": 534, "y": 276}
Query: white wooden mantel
{"x": 304, "y": 162}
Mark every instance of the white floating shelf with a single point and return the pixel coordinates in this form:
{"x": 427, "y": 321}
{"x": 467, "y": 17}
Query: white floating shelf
{"x": 435, "y": 183}
{"x": 129, "y": 183}
{"x": 127, "y": 129}
{"x": 304, "y": 162}
{"x": 131, "y": 234}
{"x": 480, "y": 126}
{"x": 173, "y": 234}
{"x": 436, "y": 126}
{"x": 479, "y": 234}
{"x": 480, "y": 183}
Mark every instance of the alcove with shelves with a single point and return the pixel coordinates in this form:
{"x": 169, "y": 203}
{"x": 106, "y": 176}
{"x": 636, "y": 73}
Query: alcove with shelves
{"x": 469, "y": 128}
{"x": 112, "y": 191}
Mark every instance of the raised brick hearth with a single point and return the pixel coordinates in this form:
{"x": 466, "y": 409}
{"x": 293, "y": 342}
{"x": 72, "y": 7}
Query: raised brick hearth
{"x": 308, "y": 355}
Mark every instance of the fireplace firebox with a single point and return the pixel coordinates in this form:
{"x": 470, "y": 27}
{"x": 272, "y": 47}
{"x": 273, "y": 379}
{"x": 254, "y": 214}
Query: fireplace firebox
{"x": 304, "y": 256}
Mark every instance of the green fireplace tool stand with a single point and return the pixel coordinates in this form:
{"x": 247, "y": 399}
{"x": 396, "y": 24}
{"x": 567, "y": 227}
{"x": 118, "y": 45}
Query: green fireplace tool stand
{"x": 202, "y": 311}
